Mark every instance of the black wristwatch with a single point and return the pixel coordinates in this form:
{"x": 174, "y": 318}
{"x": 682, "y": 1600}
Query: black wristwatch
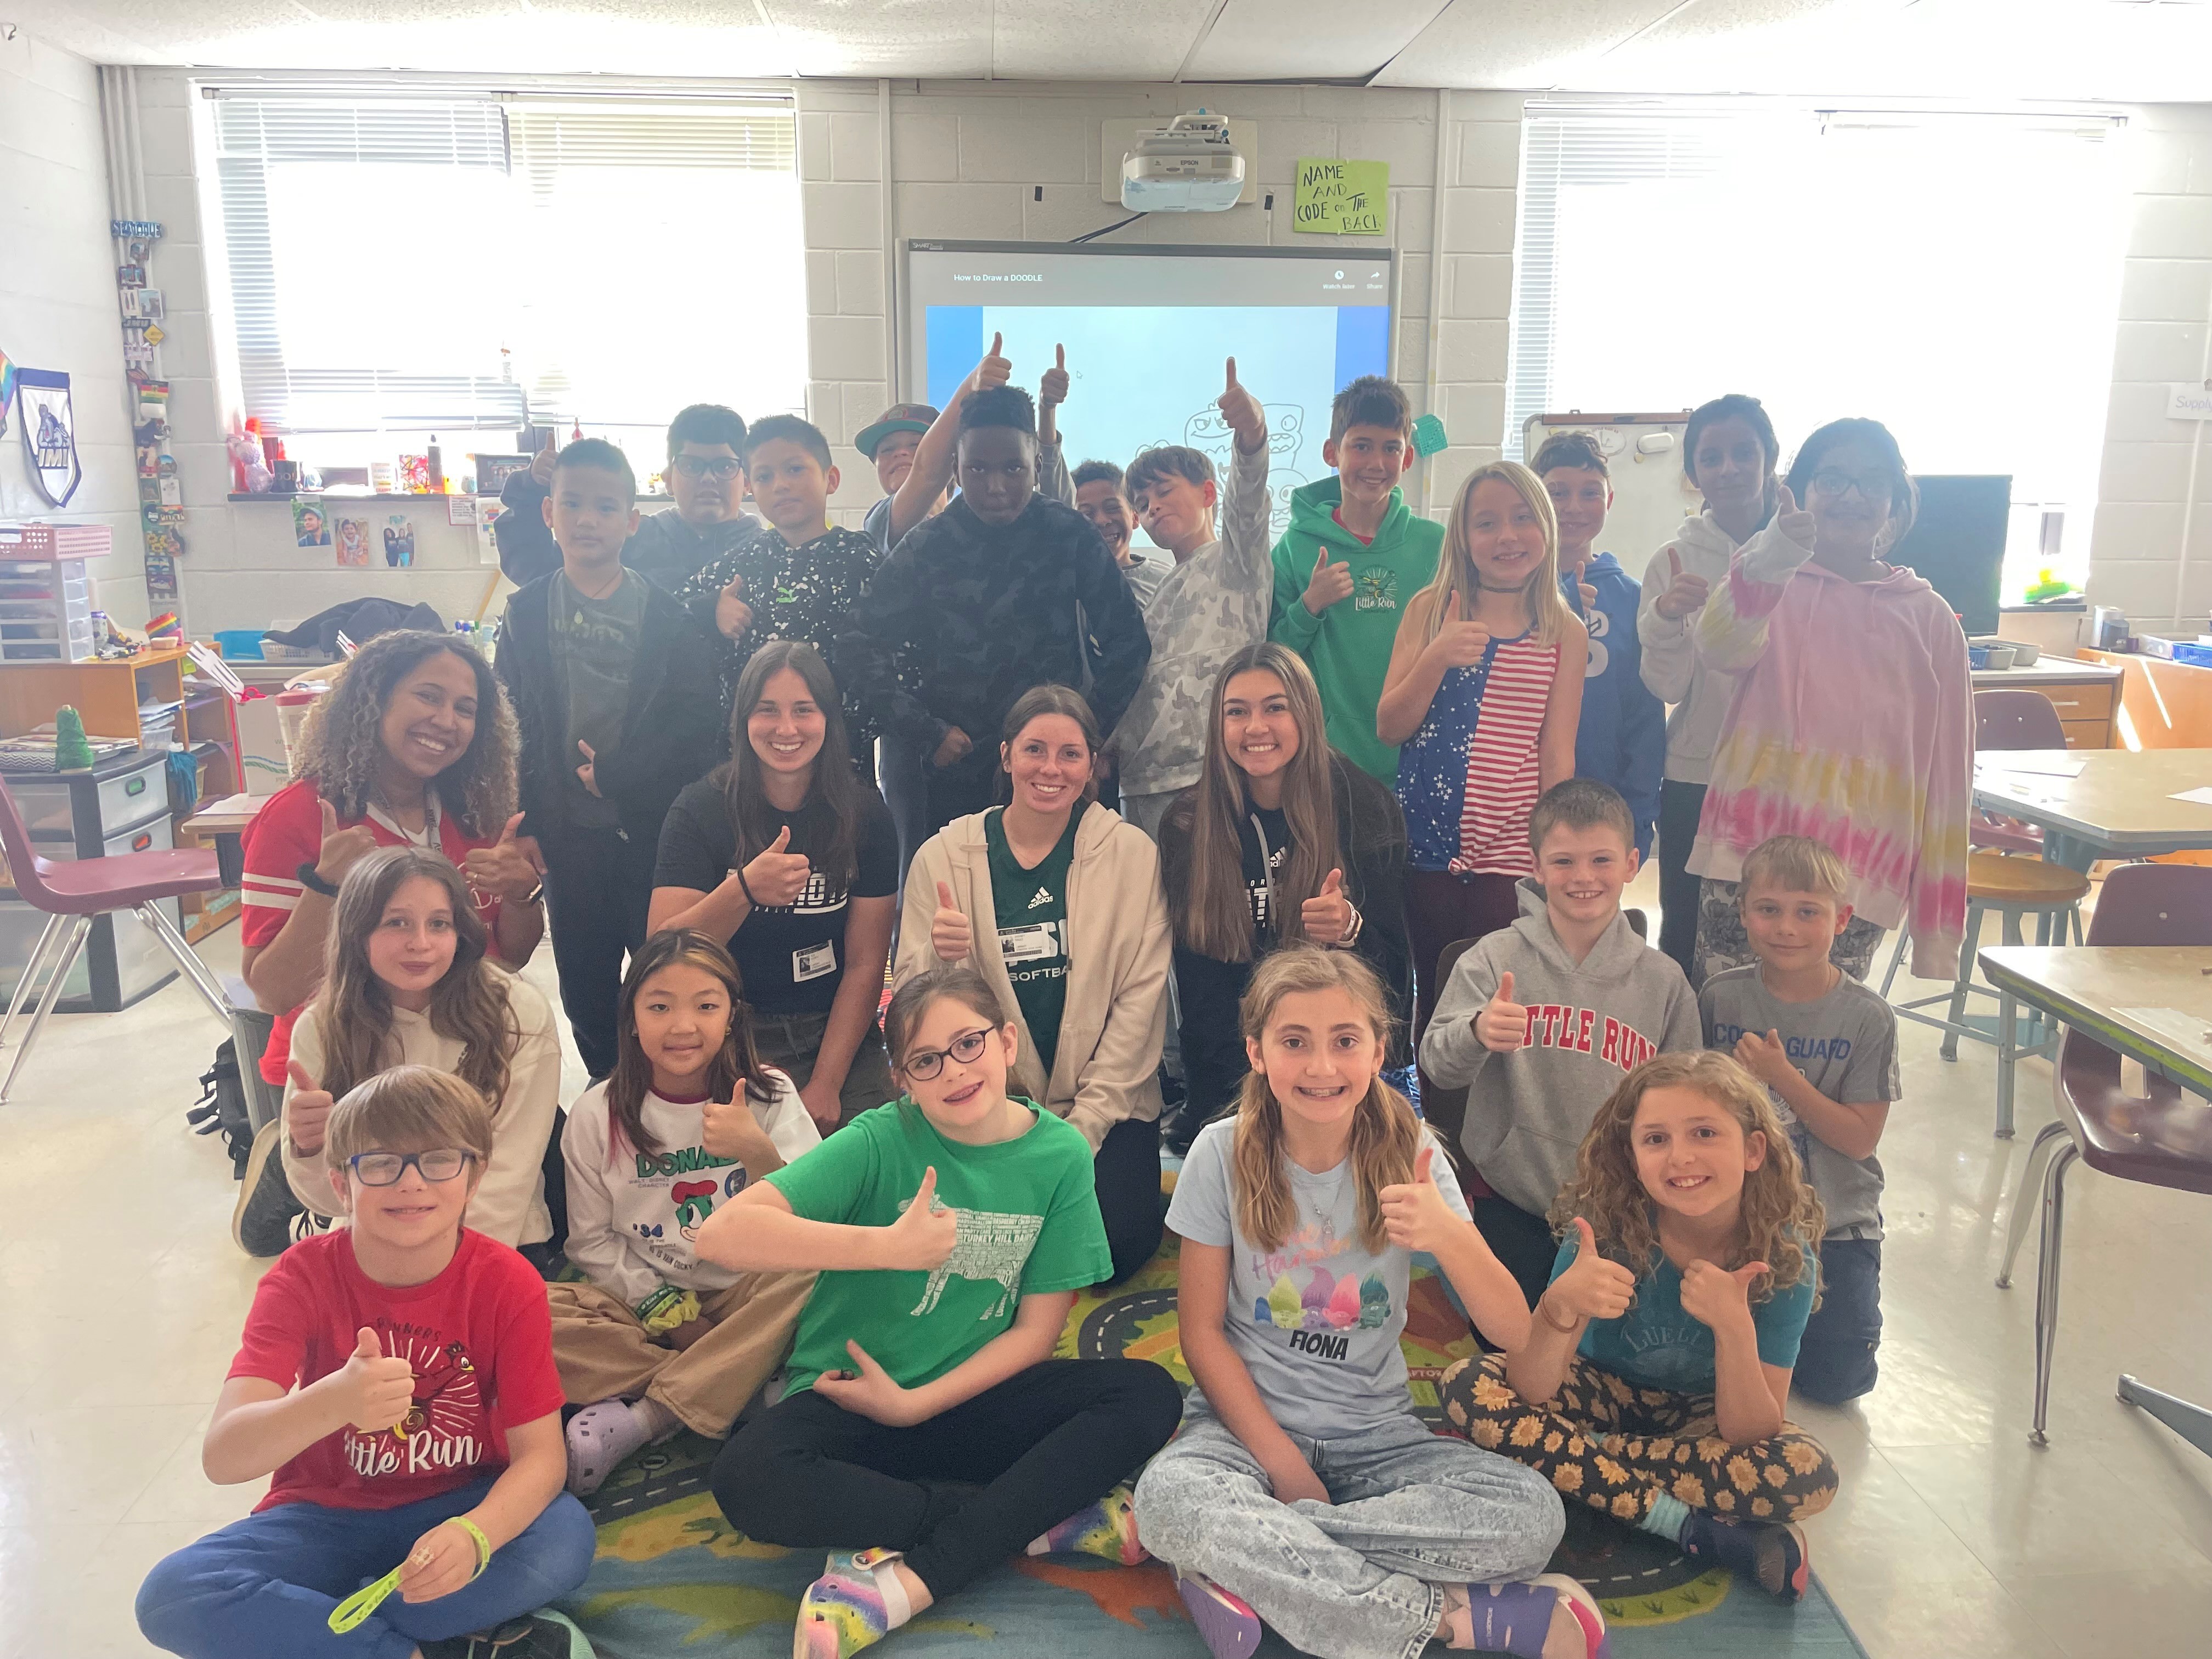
{"x": 312, "y": 880}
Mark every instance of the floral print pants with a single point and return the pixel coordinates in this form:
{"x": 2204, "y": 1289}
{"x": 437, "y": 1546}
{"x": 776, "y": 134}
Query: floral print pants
{"x": 1603, "y": 1442}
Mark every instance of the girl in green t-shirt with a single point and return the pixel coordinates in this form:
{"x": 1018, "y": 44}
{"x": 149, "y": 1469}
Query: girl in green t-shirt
{"x": 951, "y": 1229}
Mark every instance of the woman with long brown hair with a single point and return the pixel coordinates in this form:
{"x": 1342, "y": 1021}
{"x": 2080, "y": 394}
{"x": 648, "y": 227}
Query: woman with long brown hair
{"x": 790, "y": 855}
{"x": 407, "y": 981}
{"x": 1282, "y": 839}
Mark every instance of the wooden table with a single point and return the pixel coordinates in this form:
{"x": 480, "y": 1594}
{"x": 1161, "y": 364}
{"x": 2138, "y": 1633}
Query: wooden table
{"x": 2120, "y": 804}
{"x": 2102, "y": 990}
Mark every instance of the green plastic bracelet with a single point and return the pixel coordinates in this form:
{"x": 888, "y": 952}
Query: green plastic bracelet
{"x": 362, "y": 1602}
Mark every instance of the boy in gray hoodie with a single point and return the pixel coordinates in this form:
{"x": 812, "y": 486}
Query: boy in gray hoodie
{"x": 1541, "y": 1020}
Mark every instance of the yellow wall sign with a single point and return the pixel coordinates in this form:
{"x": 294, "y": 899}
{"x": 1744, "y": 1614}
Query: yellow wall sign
{"x": 1349, "y": 199}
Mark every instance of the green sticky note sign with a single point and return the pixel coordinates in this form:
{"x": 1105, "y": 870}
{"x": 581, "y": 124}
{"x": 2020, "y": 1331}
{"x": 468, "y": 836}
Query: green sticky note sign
{"x": 1344, "y": 199}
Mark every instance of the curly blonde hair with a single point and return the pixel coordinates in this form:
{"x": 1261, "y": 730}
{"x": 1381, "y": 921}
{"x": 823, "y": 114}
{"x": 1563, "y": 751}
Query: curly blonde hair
{"x": 342, "y": 741}
{"x": 1782, "y": 1219}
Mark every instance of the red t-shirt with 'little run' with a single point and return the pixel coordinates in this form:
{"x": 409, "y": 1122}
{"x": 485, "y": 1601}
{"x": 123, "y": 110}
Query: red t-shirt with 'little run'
{"x": 480, "y": 1337}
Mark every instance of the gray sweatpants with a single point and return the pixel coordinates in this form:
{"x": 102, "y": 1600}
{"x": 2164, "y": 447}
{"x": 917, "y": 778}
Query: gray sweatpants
{"x": 1357, "y": 1577}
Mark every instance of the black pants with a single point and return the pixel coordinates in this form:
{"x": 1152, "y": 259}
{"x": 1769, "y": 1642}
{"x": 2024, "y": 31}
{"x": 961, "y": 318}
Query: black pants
{"x": 903, "y": 777}
{"x": 1127, "y": 1173}
{"x": 1680, "y": 805}
{"x": 1836, "y": 1356}
{"x": 598, "y": 886}
{"x": 810, "y": 1474}
{"x": 1521, "y": 1242}
{"x": 958, "y": 790}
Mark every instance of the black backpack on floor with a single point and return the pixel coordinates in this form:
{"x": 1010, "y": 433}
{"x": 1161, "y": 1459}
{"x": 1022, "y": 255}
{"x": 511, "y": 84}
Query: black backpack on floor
{"x": 221, "y": 1107}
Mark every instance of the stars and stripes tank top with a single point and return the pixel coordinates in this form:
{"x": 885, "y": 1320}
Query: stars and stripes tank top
{"x": 1467, "y": 779}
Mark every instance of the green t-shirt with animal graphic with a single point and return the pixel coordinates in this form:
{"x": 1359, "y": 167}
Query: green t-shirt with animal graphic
{"x": 1029, "y": 1225}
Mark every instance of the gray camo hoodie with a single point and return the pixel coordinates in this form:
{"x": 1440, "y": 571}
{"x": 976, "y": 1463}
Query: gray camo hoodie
{"x": 1527, "y": 1112}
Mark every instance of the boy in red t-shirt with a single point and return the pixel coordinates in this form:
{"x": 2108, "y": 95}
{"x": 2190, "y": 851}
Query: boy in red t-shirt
{"x": 398, "y": 1379}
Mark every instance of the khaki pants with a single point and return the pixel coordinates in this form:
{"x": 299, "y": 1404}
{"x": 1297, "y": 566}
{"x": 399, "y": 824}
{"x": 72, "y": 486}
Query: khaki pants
{"x": 603, "y": 1351}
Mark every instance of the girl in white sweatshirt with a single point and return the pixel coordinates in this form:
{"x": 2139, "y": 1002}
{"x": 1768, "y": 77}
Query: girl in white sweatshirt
{"x": 659, "y": 1340}
{"x": 405, "y": 983}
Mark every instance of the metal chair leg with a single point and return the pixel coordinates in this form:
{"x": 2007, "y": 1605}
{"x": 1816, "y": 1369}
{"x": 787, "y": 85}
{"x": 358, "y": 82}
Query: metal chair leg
{"x": 2046, "y": 1286}
{"x": 204, "y": 982}
{"x": 23, "y": 985}
{"x": 79, "y": 928}
{"x": 2185, "y": 1417}
{"x": 1958, "y": 1012}
{"x": 1895, "y": 956}
{"x": 2030, "y": 1183}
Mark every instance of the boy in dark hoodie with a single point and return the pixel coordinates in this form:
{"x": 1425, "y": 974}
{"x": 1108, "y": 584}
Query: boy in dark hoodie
{"x": 615, "y": 692}
{"x": 1541, "y": 1020}
{"x": 1622, "y": 738}
{"x": 1353, "y": 556}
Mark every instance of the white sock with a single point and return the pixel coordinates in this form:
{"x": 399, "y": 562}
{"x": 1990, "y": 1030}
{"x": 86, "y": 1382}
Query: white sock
{"x": 655, "y": 1419}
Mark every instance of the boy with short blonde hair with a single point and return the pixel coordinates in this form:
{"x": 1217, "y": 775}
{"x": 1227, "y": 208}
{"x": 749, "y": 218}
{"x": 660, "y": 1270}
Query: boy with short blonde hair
{"x": 1826, "y": 1047}
{"x": 397, "y": 1378}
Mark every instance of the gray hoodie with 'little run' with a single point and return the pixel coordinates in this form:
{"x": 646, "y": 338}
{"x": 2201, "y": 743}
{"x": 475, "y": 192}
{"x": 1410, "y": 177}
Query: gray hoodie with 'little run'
{"x": 1589, "y": 1025}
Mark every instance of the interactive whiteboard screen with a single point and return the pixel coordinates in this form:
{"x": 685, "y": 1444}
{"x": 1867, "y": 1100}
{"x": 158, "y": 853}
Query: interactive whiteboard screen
{"x": 1146, "y": 329}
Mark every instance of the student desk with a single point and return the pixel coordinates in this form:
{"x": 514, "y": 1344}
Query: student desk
{"x": 2088, "y": 986}
{"x": 2120, "y": 805}
{"x": 224, "y": 822}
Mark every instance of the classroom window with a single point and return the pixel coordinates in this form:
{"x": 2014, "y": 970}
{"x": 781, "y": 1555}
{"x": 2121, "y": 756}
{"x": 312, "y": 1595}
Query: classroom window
{"x": 1953, "y": 277}
{"x": 478, "y": 264}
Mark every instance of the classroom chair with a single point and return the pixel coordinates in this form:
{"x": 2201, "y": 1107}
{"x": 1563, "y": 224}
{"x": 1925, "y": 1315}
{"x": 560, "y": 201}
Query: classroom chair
{"x": 2160, "y": 1136}
{"x": 2012, "y": 720}
{"x": 73, "y": 893}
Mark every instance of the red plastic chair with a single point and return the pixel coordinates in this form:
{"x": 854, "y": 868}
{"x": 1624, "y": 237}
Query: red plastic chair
{"x": 72, "y": 894}
{"x": 2161, "y": 1138}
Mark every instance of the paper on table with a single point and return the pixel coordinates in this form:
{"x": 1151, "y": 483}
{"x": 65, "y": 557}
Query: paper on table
{"x": 2050, "y": 769}
{"x": 2190, "y": 1033}
{"x": 2202, "y": 797}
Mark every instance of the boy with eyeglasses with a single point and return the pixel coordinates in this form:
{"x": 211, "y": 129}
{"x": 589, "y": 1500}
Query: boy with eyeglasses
{"x": 397, "y": 1379}
{"x": 705, "y": 477}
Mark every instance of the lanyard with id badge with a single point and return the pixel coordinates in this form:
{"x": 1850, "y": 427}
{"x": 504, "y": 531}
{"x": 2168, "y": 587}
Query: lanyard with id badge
{"x": 1037, "y": 941}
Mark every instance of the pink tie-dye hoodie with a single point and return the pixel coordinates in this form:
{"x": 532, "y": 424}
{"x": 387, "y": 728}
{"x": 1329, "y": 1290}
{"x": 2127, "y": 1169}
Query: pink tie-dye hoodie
{"x": 1852, "y": 722}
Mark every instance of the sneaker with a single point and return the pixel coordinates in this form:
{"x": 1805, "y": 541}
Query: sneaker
{"x": 848, "y": 1608}
{"x": 307, "y": 1224}
{"x": 1230, "y": 1627}
{"x": 1107, "y": 1529}
{"x": 532, "y": 1636}
{"x": 260, "y": 1222}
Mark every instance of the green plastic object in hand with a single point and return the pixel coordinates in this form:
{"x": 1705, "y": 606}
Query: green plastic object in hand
{"x": 362, "y": 1602}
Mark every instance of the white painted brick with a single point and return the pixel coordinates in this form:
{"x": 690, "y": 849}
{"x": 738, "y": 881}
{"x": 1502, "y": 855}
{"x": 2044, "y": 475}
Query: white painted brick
{"x": 1488, "y": 155}
{"x": 860, "y": 283}
{"x": 855, "y": 149}
{"x": 2158, "y": 351}
{"x": 164, "y": 88}
{"x": 1068, "y": 211}
{"x": 2131, "y": 532}
{"x": 2137, "y": 414}
{"x": 165, "y": 138}
{"x": 202, "y": 472}
{"x": 1245, "y": 102}
{"x": 2144, "y": 591}
{"x": 863, "y": 402}
{"x": 1479, "y": 221}
{"x": 1284, "y": 143}
{"x": 1471, "y": 351}
{"x": 1370, "y": 103}
{"x": 957, "y": 212}
{"x": 1473, "y": 413}
{"x": 2138, "y": 472}
{"x": 822, "y": 280}
{"x": 824, "y": 403}
{"x": 1448, "y": 469}
{"x": 1505, "y": 107}
{"x": 925, "y": 149}
{"x": 1478, "y": 285}
{"x": 1413, "y": 284}
{"x": 1018, "y": 151}
{"x": 2157, "y": 162}
{"x": 840, "y": 215}
{"x": 2166, "y": 290}
{"x": 814, "y": 144}
{"x": 845, "y": 348}
{"x": 2171, "y": 227}
{"x": 1410, "y": 146}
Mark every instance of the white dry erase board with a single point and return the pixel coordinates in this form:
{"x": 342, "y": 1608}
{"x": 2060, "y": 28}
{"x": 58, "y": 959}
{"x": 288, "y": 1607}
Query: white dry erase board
{"x": 1643, "y": 460}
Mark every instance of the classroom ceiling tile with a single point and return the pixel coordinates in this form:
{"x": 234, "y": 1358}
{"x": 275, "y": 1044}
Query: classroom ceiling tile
{"x": 1516, "y": 43}
{"x": 1308, "y": 39}
{"x": 1094, "y": 40}
{"x": 923, "y": 40}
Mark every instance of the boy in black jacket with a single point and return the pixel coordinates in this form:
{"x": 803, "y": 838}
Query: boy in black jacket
{"x": 1001, "y": 591}
{"x": 615, "y": 688}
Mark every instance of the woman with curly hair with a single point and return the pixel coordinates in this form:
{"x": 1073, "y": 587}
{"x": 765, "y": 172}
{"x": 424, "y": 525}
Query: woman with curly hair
{"x": 414, "y": 746}
{"x": 1654, "y": 1379}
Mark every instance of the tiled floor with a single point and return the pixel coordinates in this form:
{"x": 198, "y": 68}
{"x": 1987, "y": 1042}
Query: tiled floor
{"x": 121, "y": 1295}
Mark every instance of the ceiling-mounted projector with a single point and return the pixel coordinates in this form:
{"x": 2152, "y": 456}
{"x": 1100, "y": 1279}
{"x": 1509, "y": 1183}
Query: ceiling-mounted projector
{"x": 1189, "y": 166}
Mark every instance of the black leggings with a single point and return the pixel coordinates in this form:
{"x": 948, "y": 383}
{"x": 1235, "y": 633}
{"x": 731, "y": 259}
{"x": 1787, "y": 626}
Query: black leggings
{"x": 1680, "y": 806}
{"x": 1522, "y": 1242}
{"x": 1127, "y": 1175}
{"x": 598, "y": 886}
{"x": 810, "y": 1474}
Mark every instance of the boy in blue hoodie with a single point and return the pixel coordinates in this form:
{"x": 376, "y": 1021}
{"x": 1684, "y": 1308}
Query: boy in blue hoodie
{"x": 1622, "y": 739}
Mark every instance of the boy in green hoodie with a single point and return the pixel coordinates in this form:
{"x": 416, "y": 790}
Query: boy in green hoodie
{"x": 1353, "y": 556}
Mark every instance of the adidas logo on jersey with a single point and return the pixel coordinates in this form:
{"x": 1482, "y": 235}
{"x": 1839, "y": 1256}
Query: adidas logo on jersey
{"x": 1043, "y": 896}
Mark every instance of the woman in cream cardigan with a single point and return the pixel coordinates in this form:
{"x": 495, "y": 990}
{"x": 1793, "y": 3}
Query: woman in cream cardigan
{"x": 1057, "y": 902}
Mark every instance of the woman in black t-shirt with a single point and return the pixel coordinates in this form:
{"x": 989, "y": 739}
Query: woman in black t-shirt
{"x": 1281, "y": 838}
{"x": 790, "y": 855}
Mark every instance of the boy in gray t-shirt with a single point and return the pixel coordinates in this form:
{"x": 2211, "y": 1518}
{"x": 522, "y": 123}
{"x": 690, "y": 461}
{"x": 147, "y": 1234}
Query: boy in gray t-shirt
{"x": 1826, "y": 1047}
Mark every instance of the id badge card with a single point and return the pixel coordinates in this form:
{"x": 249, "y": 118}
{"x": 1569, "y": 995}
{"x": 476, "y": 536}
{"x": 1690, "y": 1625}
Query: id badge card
{"x": 1038, "y": 942}
{"x": 813, "y": 962}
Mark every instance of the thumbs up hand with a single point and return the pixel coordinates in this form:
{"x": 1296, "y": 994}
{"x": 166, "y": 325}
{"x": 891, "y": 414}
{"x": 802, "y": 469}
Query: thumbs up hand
{"x": 1503, "y": 1025}
{"x": 1328, "y": 584}
{"x": 1414, "y": 1214}
{"x": 1459, "y": 643}
{"x": 733, "y": 615}
{"x": 994, "y": 370}
{"x": 1327, "y": 916}
{"x": 1793, "y": 520}
{"x": 503, "y": 868}
{"x": 1591, "y": 1288}
{"x": 1242, "y": 411}
{"x": 1052, "y": 387}
{"x": 306, "y": 1110}
{"x": 1764, "y": 1058}
{"x": 777, "y": 876}
{"x": 340, "y": 849}
{"x": 729, "y": 1129}
{"x": 373, "y": 1392}
{"x": 1685, "y": 592}
{"x": 1714, "y": 1296}
{"x": 952, "y": 935}
{"x": 922, "y": 1238}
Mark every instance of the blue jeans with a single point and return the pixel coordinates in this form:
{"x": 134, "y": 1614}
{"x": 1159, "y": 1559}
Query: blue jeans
{"x": 1356, "y": 1577}
{"x": 1836, "y": 1357}
{"x": 263, "y": 1588}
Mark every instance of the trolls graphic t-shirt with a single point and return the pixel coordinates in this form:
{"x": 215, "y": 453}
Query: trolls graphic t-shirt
{"x": 480, "y": 1337}
{"x": 1029, "y": 1225}
{"x": 1658, "y": 1345}
{"x": 1316, "y": 1320}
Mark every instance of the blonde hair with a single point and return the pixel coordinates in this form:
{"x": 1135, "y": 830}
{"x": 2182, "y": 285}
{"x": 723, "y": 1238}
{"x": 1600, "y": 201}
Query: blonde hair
{"x": 1781, "y": 1221}
{"x": 1385, "y": 1133}
{"x": 1794, "y": 864}
{"x": 409, "y": 1109}
{"x": 1455, "y": 573}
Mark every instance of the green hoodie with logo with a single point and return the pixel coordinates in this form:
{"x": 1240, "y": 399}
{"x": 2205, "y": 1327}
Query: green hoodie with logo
{"x": 1348, "y": 646}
